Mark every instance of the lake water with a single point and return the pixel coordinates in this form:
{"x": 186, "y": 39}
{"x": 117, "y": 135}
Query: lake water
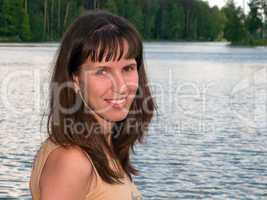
{"x": 208, "y": 141}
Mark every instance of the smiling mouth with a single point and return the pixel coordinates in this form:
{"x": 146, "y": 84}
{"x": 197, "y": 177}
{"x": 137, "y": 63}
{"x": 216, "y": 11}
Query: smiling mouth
{"x": 118, "y": 101}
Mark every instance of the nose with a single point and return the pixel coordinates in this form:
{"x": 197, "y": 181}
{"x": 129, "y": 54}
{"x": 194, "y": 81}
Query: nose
{"x": 119, "y": 84}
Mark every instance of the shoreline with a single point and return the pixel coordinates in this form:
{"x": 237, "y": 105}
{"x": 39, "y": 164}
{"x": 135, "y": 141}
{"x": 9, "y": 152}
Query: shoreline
{"x": 260, "y": 43}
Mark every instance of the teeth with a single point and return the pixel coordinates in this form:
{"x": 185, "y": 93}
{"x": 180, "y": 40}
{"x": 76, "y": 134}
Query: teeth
{"x": 117, "y": 101}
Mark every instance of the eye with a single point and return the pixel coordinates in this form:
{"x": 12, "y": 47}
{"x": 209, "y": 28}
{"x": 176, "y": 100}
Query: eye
{"x": 129, "y": 68}
{"x": 101, "y": 71}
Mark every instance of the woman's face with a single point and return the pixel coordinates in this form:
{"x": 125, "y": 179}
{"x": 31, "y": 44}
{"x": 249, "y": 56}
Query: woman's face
{"x": 109, "y": 88}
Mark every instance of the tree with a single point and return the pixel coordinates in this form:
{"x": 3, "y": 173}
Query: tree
{"x": 217, "y": 23}
{"x": 234, "y": 29}
{"x": 188, "y": 13}
{"x": 36, "y": 16}
{"x": 150, "y": 10}
{"x": 204, "y": 22}
{"x": 134, "y": 14}
{"x": 109, "y": 5}
{"x": 10, "y": 17}
{"x": 254, "y": 19}
{"x": 46, "y": 20}
{"x": 25, "y": 33}
{"x": 264, "y": 8}
{"x": 174, "y": 22}
{"x": 120, "y": 5}
{"x": 90, "y": 4}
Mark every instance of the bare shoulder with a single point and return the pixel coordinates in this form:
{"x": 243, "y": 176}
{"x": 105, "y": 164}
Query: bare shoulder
{"x": 66, "y": 175}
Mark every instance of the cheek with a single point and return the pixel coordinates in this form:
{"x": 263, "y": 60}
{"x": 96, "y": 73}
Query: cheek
{"x": 132, "y": 82}
{"x": 96, "y": 87}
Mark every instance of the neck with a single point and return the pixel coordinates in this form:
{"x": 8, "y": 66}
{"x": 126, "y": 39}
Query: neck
{"x": 105, "y": 124}
{"x": 106, "y": 127}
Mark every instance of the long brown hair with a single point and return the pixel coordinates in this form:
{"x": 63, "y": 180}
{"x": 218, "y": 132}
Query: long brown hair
{"x": 98, "y": 35}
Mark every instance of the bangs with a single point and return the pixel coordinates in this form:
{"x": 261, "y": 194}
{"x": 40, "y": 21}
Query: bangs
{"x": 108, "y": 44}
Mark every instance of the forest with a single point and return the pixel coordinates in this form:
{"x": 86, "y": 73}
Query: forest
{"x": 170, "y": 20}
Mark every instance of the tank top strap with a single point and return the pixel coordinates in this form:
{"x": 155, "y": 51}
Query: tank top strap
{"x": 97, "y": 180}
{"x": 90, "y": 160}
{"x": 111, "y": 164}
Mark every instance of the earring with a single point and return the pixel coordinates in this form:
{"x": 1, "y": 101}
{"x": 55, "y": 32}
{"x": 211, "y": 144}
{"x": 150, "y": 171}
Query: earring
{"x": 76, "y": 88}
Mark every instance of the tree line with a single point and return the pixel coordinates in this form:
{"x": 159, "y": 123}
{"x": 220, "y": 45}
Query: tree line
{"x": 46, "y": 20}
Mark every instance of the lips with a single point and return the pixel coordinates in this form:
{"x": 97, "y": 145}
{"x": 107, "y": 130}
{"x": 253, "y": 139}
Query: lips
{"x": 117, "y": 101}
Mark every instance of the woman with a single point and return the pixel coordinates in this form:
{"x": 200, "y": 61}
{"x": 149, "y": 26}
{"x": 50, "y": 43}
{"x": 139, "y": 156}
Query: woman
{"x": 100, "y": 105}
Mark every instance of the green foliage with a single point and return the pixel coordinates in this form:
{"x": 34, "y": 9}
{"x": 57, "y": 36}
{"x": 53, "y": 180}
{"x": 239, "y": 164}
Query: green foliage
{"x": 110, "y": 5}
{"x": 210, "y": 24}
{"x": 175, "y": 22}
{"x": 150, "y": 9}
{"x": 134, "y": 13}
{"x": 47, "y": 20}
{"x": 37, "y": 27}
{"x": 120, "y": 7}
{"x": 204, "y": 22}
{"x": 254, "y": 19}
{"x": 234, "y": 30}
{"x": 10, "y": 17}
{"x": 217, "y": 24}
{"x": 25, "y": 33}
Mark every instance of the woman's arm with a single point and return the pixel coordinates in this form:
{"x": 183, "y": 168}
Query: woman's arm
{"x": 66, "y": 175}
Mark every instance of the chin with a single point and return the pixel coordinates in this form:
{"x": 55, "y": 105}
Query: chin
{"x": 116, "y": 117}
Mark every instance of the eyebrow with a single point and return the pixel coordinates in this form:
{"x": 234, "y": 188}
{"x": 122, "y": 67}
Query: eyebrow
{"x": 105, "y": 66}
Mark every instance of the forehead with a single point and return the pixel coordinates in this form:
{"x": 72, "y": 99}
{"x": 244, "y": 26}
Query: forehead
{"x": 111, "y": 46}
{"x": 114, "y": 51}
{"x": 89, "y": 64}
{"x": 108, "y": 56}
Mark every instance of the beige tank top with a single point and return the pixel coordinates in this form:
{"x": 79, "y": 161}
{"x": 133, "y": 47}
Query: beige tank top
{"x": 101, "y": 191}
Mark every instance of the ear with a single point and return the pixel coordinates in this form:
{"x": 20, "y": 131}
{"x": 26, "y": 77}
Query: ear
{"x": 76, "y": 84}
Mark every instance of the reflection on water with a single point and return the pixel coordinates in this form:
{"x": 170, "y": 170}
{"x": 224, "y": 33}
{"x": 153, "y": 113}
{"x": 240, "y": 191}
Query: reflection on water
{"x": 208, "y": 141}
